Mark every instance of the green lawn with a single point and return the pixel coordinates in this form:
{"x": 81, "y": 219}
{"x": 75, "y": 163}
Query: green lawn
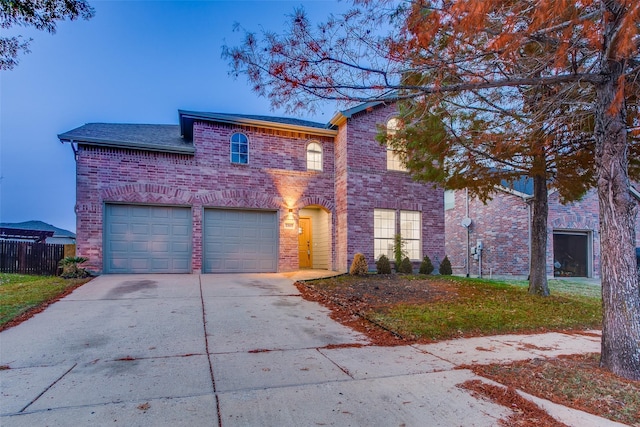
{"x": 20, "y": 293}
{"x": 487, "y": 307}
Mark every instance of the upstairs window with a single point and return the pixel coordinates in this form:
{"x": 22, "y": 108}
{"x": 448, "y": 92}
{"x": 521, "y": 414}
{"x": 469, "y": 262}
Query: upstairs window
{"x": 314, "y": 156}
{"x": 239, "y": 148}
{"x": 394, "y": 158}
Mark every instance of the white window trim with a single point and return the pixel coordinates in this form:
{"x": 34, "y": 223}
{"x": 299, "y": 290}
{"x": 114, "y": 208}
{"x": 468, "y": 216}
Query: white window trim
{"x": 231, "y": 152}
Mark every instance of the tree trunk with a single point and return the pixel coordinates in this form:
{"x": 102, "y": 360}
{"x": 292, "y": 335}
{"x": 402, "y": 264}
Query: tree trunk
{"x": 538, "y": 284}
{"x": 620, "y": 291}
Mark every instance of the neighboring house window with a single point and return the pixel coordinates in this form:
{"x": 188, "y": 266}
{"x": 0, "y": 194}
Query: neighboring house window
{"x": 385, "y": 228}
{"x": 239, "y": 148}
{"x": 449, "y": 200}
{"x": 394, "y": 160}
{"x": 314, "y": 156}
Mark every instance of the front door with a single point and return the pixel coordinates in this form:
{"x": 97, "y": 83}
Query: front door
{"x": 304, "y": 243}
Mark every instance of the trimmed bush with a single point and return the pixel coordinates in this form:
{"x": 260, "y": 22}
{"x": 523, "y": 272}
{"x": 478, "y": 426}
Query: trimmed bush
{"x": 445, "y": 267}
{"x": 406, "y": 267}
{"x": 359, "y": 265}
{"x": 426, "y": 266}
{"x": 383, "y": 266}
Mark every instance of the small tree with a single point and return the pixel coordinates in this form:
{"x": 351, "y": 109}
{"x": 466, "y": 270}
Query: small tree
{"x": 405, "y": 266}
{"x": 398, "y": 250}
{"x": 359, "y": 266}
{"x": 445, "y": 267}
{"x": 383, "y": 266}
{"x": 71, "y": 269}
{"x": 426, "y": 267}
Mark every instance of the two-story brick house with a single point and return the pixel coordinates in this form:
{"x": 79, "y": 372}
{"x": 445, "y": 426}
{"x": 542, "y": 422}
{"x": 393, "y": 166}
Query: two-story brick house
{"x": 502, "y": 226}
{"x": 241, "y": 193}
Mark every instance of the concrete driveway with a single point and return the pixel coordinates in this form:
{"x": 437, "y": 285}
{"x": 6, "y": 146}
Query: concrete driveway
{"x": 210, "y": 350}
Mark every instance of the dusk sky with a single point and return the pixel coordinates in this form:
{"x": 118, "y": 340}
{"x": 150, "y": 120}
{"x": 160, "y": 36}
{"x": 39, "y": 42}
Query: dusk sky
{"x": 134, "y": 62}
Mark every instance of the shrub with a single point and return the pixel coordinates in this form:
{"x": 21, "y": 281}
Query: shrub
{"x": 383, "y": 266}
{"x": 398, "y": 250}
{"x": 405, "y": 266}
{"x": 359, "y": 265}
{"x": 70, "y": 269}
{"x": 445, "y": 267}
{"x": 426, "y": 266}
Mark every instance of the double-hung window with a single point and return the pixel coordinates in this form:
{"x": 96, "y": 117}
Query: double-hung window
{"x": 385, "y": 227}
{"x": 394, "y": 159}
{"x": 314, "y": 156}
{"x": 239, "y": 148}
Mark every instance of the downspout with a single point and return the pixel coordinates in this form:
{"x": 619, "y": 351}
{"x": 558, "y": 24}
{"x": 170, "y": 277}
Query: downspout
{"x": 468, "y": 232}
{"x": 529, "y": 214}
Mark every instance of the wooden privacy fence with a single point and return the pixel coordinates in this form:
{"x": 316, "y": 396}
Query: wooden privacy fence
{"x": 30, "y": 258}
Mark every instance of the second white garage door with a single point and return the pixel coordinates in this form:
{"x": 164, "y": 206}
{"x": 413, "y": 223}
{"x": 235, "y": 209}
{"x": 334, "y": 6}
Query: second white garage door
{"x": 239, "y": 241}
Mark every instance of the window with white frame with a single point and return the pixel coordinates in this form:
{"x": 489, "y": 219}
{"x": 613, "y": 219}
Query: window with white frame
{"x": 239, "y": 148}
{"x": 410, "y": 232}
{"x": 314, "y": 156}
{"x": 394, "y": 160}
{"x": 385, "y": 228}
{"x": 449, "y": 200}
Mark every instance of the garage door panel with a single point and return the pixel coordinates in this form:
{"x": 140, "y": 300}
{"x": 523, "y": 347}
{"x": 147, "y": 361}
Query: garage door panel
{"x": 240, "y": 241}
{"x": 147, "y": 239}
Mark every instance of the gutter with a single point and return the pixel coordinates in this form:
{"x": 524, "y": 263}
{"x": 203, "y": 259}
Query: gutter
{"x": 128, "y": 145}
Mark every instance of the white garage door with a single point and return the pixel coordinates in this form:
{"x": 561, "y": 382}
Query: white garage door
{"x": 147, "y": 239}
{"x": 237, "y": 241}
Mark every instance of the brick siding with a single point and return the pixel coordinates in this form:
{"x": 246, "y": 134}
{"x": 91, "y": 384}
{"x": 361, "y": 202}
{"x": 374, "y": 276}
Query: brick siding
{"x": 354, "y": 181}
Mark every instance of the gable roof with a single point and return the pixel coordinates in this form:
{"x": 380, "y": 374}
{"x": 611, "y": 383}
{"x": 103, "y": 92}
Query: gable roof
{"x": 38, "y": 226}
{"x": 164, "y": 138}
{"x": 282, "y": 123}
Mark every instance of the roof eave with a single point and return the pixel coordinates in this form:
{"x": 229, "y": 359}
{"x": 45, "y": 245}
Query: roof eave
{"x": 244, "y": 121}
{"x": 123, "y": 144}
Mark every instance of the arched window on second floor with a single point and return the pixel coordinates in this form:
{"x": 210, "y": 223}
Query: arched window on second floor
{"x": 314, "y": 156}
{"x": 394, "y": 159}
{"x": 239, "y": 148}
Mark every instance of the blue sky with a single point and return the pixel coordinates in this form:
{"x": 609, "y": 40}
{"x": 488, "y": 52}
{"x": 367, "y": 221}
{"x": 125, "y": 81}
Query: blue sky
{"x": 134, "y": 62}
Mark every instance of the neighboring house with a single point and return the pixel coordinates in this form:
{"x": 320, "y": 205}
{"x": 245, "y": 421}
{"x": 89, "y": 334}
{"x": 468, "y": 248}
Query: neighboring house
{"x": 36, "y": 231}
{"x": 502, "y": 227}
{"x": 241, "y": 193}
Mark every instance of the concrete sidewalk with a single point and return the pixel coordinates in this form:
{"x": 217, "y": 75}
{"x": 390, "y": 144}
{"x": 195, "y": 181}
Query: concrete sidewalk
{"x": 210, "y": 350}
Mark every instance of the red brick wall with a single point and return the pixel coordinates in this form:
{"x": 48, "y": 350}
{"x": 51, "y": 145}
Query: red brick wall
{"x": 371, "y": 186}
{"x": 501, "y": 225}
{"x": 275, "y": 178}
{"x": 353, "y": 183}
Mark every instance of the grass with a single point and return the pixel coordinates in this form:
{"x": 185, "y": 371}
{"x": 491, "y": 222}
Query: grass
{"x": 483, "y": 307}
{"x": 22, "y": 294}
